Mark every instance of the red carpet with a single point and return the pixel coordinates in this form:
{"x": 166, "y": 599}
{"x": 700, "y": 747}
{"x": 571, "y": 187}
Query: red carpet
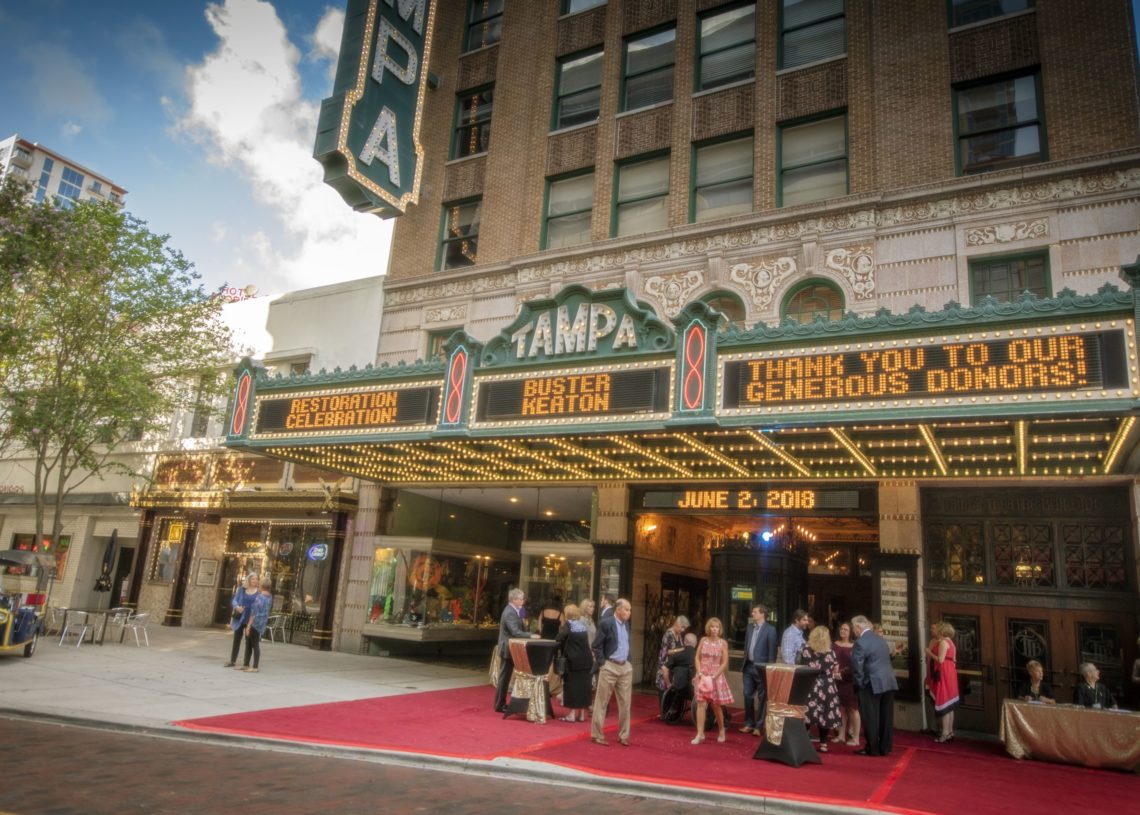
{"x": 972, "y": 777}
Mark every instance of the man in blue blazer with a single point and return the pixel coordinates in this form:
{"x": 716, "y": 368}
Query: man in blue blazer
{"x": 876, "y": 685}
{"x": 510, "y": 625}
{"x": 760, "y": 645}
{"x": 613, "y": 648}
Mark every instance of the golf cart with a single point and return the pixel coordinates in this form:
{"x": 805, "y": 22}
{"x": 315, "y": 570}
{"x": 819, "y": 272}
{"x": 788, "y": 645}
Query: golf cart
{"x": 21, "y": 611}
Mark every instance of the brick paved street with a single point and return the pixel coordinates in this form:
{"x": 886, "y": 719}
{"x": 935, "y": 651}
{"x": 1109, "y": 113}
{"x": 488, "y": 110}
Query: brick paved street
{"x": 59, "y": 769}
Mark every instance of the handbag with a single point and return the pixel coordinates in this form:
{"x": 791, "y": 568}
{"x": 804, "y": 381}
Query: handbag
{"x": 235, "y": 614}
{"x": 706, "y": 685}
{"x": 561, "y": 666}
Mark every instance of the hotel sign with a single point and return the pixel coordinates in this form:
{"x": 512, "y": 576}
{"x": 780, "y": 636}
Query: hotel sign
{"x": 368, "y": 134}
{"x": 1000, "y": 366}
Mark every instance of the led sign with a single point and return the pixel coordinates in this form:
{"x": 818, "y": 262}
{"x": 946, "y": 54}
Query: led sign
{"x": 760, "y": 499}
{"x": 568, "y": 396}
{"x": 303, "y": 414}
{"x": 368, "y": 133}
{"x": 1058, "y": 363}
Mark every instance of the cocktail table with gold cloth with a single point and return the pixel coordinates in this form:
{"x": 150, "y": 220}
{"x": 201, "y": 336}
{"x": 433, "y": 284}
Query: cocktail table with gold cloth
{"x": 529, "y": 692}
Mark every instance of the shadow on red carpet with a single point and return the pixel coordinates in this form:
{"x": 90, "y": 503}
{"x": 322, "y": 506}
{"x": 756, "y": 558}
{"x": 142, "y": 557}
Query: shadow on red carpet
{"x": 920, "y": 776}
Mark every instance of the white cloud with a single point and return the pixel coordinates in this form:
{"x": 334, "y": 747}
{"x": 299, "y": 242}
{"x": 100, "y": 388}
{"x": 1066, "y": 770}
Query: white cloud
{"x": 245, "y": 103}
{"x": 326, "y": 39}
{"x": 71, "y": 129}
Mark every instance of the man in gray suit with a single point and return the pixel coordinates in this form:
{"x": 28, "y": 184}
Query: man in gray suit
{"x": 760, "y": 645}
{"x": 510, "y": 625}
{"x": 876, "y": 685}
{"x": 612, "y": 651}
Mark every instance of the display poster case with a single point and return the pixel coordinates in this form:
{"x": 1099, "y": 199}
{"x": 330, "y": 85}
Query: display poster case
{"x": 555, "y": 571}
{"x": 428, "y": 589}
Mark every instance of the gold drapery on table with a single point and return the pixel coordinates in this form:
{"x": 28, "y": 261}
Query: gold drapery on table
{"x": 1105, "y": 739}
{"x": 527, "y": 684}
{"x": 780, "y": 678}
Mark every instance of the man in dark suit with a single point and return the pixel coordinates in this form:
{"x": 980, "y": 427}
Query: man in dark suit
{"x": 875, "y": 682}
{"x": 607, "y": 607}
{"x": 761, "y": 643}
{"x": 1091, "y": 692}
{"x": 612, "y": 652}
{"x": 510, "y": 625}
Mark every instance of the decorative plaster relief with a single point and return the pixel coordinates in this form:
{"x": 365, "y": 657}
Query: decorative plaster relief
{"x": 673, "y": 290}
{"x": 452, "y": 288}
{"x": 447, "y": 314}
{"x": 760, "y": 280}
{"x": 857, "y": 264}
{"x": 1005, "y": 233}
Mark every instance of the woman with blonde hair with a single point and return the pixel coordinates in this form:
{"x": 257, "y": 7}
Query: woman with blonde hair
{"x": 573, "y": 640}
{"x": 823, "y": 708}
{"x": 711, "y": 685}
{"x": 942, "y": 678}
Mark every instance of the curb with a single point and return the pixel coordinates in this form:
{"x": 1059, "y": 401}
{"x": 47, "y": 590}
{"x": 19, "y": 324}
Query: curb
{"x": 506, "y": 768}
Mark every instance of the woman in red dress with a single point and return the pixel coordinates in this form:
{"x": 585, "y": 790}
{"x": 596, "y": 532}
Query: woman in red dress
{"x": 942, "y": 678}
{"x": 711, "y": 687}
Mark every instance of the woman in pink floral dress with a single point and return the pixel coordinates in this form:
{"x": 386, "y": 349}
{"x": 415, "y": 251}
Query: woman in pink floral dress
{"x": 711, "y": 687}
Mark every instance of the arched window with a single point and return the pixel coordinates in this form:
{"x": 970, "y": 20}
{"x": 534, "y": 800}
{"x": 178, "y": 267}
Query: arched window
{"x": 814, "y": 297}
{"x": 727, "y": 304}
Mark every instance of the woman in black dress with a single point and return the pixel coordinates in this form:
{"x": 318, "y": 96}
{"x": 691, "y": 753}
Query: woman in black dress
{"x": 550, "y": 619}
{"x": 574, "y": 644}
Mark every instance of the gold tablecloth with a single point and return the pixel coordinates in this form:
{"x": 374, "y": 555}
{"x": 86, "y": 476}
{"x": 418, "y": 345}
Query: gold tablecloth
{"x": 1072, "y": 734}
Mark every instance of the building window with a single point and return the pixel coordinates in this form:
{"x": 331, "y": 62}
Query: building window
{"x": 999, "y": 124}
{"x": 460, "y": 246}
{"x": 472, "y": 123}
{"x": 484, "y": 23}
{"x": 722, "y": 180}
{"x": 641, "y": 197}
{"x": 811, "y": 30}
{"x": 1006, "y": 278}
{"x": 70, "y": 187}
{"x": 964, "y": 12}
{"x": 437, "y": 339}
{"x": 569, "y": 208}
{"x": 815, "y": 297}
{"x": 97, "y": 187}
{"x": 574, "y": 6}
{"x": 45, "y": 177}
{"x": 728, "y": 304}
{"x": 648, "y": 69}
{"x": 579, "y": 90}
{"x": 727, "y": 47}
{"x": 813, "y": 161}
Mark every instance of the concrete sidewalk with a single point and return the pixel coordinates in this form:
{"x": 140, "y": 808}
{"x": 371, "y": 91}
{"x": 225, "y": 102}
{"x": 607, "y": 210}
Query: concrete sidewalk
{"x": 180, "y": 676}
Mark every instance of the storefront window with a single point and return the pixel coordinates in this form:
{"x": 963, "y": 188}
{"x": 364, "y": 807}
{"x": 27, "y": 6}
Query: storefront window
{"x": 26, "y": 543}
{"x": 423, "y": 583}
{"x": 167, "y": 548}
{"x": 554, "y": 572}
{"x": 297, "y": 558}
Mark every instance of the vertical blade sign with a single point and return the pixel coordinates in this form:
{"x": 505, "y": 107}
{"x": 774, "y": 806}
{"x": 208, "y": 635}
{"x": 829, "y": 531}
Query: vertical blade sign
{"x": 368, "y": 135}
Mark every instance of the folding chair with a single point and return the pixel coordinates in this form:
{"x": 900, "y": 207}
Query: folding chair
{"x": 136, "y": 624}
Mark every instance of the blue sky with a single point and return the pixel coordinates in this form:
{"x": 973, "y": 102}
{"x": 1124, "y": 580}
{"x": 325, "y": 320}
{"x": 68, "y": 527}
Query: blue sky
{"x": 205, "y": 113}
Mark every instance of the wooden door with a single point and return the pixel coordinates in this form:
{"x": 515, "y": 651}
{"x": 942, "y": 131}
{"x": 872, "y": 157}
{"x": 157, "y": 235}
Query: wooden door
{"x": 977, "y": 648}
{"x": 995, "y": 643}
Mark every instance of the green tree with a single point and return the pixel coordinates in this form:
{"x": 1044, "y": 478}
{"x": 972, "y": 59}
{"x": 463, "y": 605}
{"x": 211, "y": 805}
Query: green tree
{"x": 105, "y": 332}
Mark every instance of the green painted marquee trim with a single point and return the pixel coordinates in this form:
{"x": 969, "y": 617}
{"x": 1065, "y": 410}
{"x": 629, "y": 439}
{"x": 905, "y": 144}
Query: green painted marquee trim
{"x": 431, "y": 371}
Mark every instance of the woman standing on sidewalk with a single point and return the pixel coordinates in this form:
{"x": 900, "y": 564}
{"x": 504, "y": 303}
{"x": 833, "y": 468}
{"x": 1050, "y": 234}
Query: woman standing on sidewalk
{"x": 242, "y": 606}
{"x": 259, "y": 618}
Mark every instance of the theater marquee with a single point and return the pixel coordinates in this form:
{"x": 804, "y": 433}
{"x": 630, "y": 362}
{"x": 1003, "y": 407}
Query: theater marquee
{"x": 1006, "y": 366}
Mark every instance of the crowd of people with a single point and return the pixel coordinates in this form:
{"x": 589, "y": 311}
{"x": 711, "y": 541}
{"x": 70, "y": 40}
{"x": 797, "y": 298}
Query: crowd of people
{"x": 852, "y": 696}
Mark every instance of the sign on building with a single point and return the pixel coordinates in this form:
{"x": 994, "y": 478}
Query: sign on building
{"x": 368, "y": 134}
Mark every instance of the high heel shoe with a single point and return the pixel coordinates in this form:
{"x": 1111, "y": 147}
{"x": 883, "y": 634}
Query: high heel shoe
{"x": 944, "y": 739}
{"x": 697, "y": 739}
{"x": 720, "y": 738}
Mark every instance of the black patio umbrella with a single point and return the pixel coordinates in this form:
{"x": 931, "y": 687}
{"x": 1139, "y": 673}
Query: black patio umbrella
{"x": 103, "y": 582}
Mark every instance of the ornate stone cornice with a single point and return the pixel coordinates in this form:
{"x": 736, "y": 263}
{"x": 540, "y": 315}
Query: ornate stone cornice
{"x": 919, "y": 207}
